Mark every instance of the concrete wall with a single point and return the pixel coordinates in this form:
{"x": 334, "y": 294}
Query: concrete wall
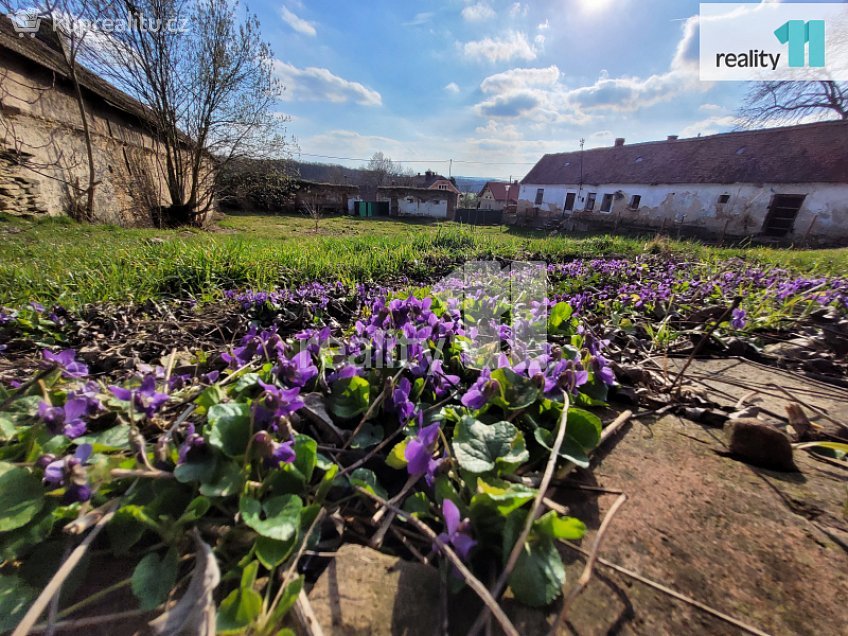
{"x": 823, "y": 215}
{"x": 40, "y": 122}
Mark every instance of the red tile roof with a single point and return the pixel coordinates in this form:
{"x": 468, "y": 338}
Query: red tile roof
{"x": 502, "y": 191}
{"x": 807, "y": 153}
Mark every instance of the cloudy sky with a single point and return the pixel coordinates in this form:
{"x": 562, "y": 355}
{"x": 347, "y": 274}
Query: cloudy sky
{"x": 492, "y": 84}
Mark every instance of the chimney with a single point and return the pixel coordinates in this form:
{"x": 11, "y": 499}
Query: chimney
{"x": 619, "y": 141}
{"x": 672, "y": 137}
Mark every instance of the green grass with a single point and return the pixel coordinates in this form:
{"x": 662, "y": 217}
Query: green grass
{"x": 59, "y": 261}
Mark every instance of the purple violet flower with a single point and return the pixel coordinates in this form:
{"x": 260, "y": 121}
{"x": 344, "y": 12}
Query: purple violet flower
{"x": 179, "y": 381}
{"x": 739, "y": 318}
{"x": 483, "y": 390}
{"x": 67, "y": 362}
{"x": 70, "y": 473}
{"x": 399, "y": 402}
{"x": 600, "y": 366}
{"x": 271, "y": 452}
{"x": 274, "y": 404}
{"x": 90, "y": 392}
{"x": 192, "y": 443}
{"x": 457, "y": 531}
{"x": 66, "y": 420}
{"x": 211, "y": 377}
{"x": 419, "y": 453}
{"x": 144, "y": 399}
{"x": 298, "y": 370}
{"x": 572, "y": 378}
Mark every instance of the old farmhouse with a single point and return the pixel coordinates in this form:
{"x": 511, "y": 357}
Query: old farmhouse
{"x": 788, "y": 184}
{"x": 43, "y": 159}
{"x": 498, "y": 195}
{"x": 430, "y": 195}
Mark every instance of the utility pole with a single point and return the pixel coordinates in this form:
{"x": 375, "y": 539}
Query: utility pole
{"x": 580, "y": 189}
{"x": 450, "y": 169}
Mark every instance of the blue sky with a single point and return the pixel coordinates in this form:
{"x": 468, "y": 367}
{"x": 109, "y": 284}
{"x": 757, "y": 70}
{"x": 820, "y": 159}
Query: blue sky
{"x": 493, "y": 84}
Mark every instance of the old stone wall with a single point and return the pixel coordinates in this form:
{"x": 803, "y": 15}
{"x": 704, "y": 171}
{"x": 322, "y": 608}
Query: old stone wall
{"x": 43, "y": 159}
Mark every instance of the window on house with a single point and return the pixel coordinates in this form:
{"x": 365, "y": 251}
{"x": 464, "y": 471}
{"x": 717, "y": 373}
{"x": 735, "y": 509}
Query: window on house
{"x": 569, "y": 201}
{"x": 606, "y": 203}
{"x": 724, "y": 198}
{"x": 590, "y": 201}
{"x": 635, "y": 201}
{"x": 540, "y": 195}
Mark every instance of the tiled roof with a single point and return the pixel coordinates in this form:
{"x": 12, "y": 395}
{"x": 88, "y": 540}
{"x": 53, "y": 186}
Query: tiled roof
{"x": 807, "y": 153}
{"x": 502, "y": 191}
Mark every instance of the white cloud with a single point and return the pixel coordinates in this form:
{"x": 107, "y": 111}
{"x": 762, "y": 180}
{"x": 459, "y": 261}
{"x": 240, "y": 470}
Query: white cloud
{"x": 498, "y": 130}
{"x": 710, "y": 107}
{"x": 420, "y": 18}
{"x": 298, "y": 24}
{"x": 319, "y": 84}
{"x": 353, "y": 144}
{"x": 544, "y": 26}
{"x": 710, "y": 126}
{"x": 512, "y": 45}
{"x": 478, "y": 12}
{"x": 518, "y": 78}
{"x": 517, "y": 9}
{"x": 453, "y": 87}
{"x": 540, "y": 95}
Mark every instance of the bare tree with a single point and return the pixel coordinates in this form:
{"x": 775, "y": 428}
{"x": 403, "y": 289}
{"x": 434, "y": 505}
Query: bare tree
{"x": 313, "y": 211}
{"x": 791, "y": 102}
{"x": 206, "y": 77}
{"x": 68, "y": 38}
{"x": 382, "y": 165}
{"x": 71, "y": 35}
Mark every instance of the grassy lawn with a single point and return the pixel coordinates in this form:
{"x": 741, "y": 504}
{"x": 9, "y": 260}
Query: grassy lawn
{"x": 59, "y": 261}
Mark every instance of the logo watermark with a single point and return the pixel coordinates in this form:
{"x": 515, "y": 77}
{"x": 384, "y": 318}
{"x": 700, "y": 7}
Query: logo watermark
{"x": 773, "y": 41}
{"x": 27, "y": 22}
{"x": 488, "y": 313}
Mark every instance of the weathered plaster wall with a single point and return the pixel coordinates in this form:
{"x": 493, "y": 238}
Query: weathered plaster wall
{"x": 823, "y": 215}
{"x": 40, "y": 120}
{"x": 413, "y": 205}
{"x": 437, "y": 208}
{"x": 488, "y": 202}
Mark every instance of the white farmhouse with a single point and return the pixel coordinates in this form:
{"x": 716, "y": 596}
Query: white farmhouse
{"x": 788, "y": 184}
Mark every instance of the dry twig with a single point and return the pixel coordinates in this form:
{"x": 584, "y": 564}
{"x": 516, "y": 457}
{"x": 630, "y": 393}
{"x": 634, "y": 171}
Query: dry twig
{"x": 547, "y": 476}
{"x": 472, "y": 581}
{"x": 667, "y": 590}
{"x": 43, "y": 600}
{"x": 586, "y": 576}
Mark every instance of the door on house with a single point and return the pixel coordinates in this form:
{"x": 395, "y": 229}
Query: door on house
{"x": 780, "y": 219}
{"x": 569, "y": 201}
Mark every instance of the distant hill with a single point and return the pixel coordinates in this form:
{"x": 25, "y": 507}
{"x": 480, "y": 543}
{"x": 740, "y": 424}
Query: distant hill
{"x": 330, "y": 173}
{"x": 473, "y": 184}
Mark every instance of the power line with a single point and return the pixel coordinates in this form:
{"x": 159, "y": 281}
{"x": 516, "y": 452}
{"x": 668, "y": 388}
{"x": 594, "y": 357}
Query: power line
{"x": 306, "y": 154}
{"x": 481, "y": 163}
